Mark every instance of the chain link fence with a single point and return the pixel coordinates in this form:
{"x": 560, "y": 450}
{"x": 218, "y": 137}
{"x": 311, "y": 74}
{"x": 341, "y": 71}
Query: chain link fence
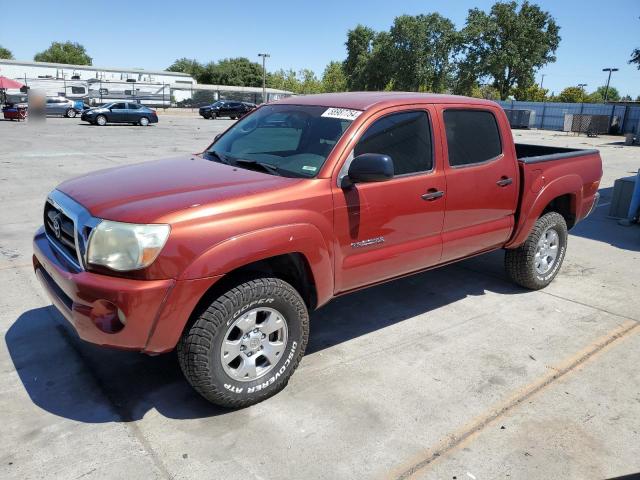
{"x": 551, "y": 115}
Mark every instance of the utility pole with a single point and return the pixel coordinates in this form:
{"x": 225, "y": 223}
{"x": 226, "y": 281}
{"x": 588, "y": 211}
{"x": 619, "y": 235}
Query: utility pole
{"x": 542, "y": 81}
{"x": 581, "y": 87}
{"x": 606, "y": 90}
{"x": 264, "y": 76}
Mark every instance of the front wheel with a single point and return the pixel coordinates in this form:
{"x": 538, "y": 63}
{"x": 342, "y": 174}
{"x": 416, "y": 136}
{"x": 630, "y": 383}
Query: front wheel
{"x": 71, "y": 113}
{"x": 246, "y": 345}
{"x": 101, "y": 120}
{"x": 213, "y": 116}
{"x": 144, "y": 121}
{"x": 536, "y": 262}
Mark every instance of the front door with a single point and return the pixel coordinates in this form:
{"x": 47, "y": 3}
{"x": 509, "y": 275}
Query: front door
{"x": 118, "y": 112}
{"x": 482, "y": 181}
{"x": 391, "y": 228}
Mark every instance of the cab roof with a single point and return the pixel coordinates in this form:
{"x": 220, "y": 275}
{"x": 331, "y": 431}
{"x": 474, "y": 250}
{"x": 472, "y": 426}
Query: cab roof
{"x": 367, "y": 100}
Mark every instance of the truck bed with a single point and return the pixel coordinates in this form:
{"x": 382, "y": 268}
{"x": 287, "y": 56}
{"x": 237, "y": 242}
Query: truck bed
{"x": 526, "y": 153}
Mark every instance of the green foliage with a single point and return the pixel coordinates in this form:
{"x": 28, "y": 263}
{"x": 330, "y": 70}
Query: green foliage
{"x": 187, "y": 65}
{"x": 532, "y": 93}
{"x": 229, "y": 71}
{"x": 487, "y": 92}
{"x": 303, "y": 82}
{"x": 333, "y": 78}
{"x": 359, "y": 53}
{"x": 6, "y": 54}
{"x": 67, "y": 52}
{"x": 421, "y": 53}
{"x": 284, "y": 80}
{"x": 613, "y": 94}
{"x": 572, "y": 95}
{"x": 635, "y": 57}
{"x": 507, "y": 45}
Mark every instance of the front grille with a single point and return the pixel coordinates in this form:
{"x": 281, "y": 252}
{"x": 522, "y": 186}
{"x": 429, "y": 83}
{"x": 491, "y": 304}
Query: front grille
{"x": 61, "y": 231}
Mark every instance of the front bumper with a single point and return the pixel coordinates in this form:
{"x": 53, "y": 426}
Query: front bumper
{"x": 154, "y": 311}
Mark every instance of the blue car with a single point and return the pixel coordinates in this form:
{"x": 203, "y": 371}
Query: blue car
{"x": 120, "y": 112}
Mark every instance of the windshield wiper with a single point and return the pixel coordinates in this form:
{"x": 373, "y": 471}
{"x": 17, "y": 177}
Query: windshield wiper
{"x": 221, "y": 158}
{"x": 267, "y": 167}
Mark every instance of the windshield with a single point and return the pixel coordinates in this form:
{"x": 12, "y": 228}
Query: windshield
{"x": 288, "y": 140}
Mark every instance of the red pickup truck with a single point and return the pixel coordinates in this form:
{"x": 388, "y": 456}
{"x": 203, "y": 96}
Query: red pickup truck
{"x": 222, "y": 254}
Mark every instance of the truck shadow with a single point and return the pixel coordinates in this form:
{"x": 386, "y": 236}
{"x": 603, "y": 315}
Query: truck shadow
{"x": 599, "y": 226}
{"x": 73, "y": 379}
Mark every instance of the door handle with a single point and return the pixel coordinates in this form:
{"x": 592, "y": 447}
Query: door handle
{"x": 432, "y": 195}
{"x": 504, "y": 181}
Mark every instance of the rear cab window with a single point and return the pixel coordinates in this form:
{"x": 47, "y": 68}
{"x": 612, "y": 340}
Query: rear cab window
{"x": 473, "y": 136}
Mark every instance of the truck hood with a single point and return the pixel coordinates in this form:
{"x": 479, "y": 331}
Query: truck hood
{"x": 145, "y": 192}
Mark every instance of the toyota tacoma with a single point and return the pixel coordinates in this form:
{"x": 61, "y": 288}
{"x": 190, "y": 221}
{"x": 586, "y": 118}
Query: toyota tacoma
{"x": 223, "y": 254}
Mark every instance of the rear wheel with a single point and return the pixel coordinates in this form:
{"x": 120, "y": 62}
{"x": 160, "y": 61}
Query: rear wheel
{"x": 101, "y": 120}
{"x": 246, "y": 345}
{"x": 71, "y": 113}
{"x": 144, "y": 121}
{"x": 536, "y": 262}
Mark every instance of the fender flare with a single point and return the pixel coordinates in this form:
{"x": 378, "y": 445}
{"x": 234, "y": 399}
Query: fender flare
{"x": 566, "y": 185}
{"x": 250, "y": 247}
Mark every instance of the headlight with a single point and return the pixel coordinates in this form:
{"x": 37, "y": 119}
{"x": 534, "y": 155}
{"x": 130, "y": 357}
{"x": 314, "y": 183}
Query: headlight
{"x": 126, "y": 246}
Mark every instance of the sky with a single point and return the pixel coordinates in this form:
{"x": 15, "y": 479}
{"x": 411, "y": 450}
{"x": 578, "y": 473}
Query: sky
{"x": 299, "y": 34}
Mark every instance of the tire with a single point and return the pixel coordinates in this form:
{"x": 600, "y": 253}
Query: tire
{"x": 144, "y": 122}
{"x": 236, "y": 320}
{"x": 206, "y": 116}
{"x": 529, "y": 265}
{"x": 101, "y": 120}
{"x": 213, "y": 116}
{"x": 71, "y": 113}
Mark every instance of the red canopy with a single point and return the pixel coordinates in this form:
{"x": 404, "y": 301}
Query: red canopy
{"x": 6, "y": 83}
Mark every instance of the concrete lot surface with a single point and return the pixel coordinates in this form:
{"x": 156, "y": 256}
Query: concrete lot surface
{"x": 450, "y": 374}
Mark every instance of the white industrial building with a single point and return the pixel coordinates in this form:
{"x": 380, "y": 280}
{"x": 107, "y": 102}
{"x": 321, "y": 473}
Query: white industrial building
{"x": 97, "y": 85}
{"x": 18, "y": 69}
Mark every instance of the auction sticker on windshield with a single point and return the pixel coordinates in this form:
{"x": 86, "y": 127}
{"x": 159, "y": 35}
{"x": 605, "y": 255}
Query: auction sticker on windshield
{"x": 341, "y": 113}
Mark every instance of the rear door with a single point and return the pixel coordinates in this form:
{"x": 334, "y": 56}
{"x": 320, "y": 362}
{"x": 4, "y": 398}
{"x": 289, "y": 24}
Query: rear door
{"x": 391, "y": 228}
{"x": 482, "y": 180}
{"x": 133, "y": 112}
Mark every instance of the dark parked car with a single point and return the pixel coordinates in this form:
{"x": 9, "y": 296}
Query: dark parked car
{"x": 120, "y": 112}
{"x": 223, "y": 108}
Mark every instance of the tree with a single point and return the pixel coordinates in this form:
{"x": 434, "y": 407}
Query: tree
{"x": 67, "y": 52}
{"x": 572, "y": 95}
{"x": 187, "y": 65}
{"x": 485, "y": 91}
{"x": 359, "y": 51}
{"x": 532, "y": 93}
{"x": 234, "y": 71}
{"x": 635, "y": 57}
{"x": 422, "y": 49}
{"x": 508, "y": 45}
{"x": 6, "y": 54}
{"x": 333, "y": 78}
{"x": 613, "y": 95}
{"x": 309, "y": 83}
{"x": 284, "y": 80}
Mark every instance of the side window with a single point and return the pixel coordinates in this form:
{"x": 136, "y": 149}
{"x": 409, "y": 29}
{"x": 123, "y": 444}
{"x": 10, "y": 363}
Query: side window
{"x": 133, "y": 106}
{"x": 472, "y": 136}
{"x": 78, "y": 90}
{"x": 119, "y": 106}
{"x": 405, "y": 137}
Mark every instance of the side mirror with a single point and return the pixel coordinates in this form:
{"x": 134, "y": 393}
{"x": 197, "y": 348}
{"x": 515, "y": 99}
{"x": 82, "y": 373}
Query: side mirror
{"x": 215, "y": 139}
{"x": 369, "y": 167}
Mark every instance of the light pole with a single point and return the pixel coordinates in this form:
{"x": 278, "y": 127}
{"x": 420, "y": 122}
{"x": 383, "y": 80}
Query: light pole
{"x": 606, "y": 90}
{"x": 542, "y": 81}
{"x": 581, "y": 87}
{"x": 264, "y": 76}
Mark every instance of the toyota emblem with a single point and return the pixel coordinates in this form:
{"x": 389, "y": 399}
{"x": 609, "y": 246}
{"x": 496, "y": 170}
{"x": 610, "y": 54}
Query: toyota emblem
{"x": 56, "y": 226}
